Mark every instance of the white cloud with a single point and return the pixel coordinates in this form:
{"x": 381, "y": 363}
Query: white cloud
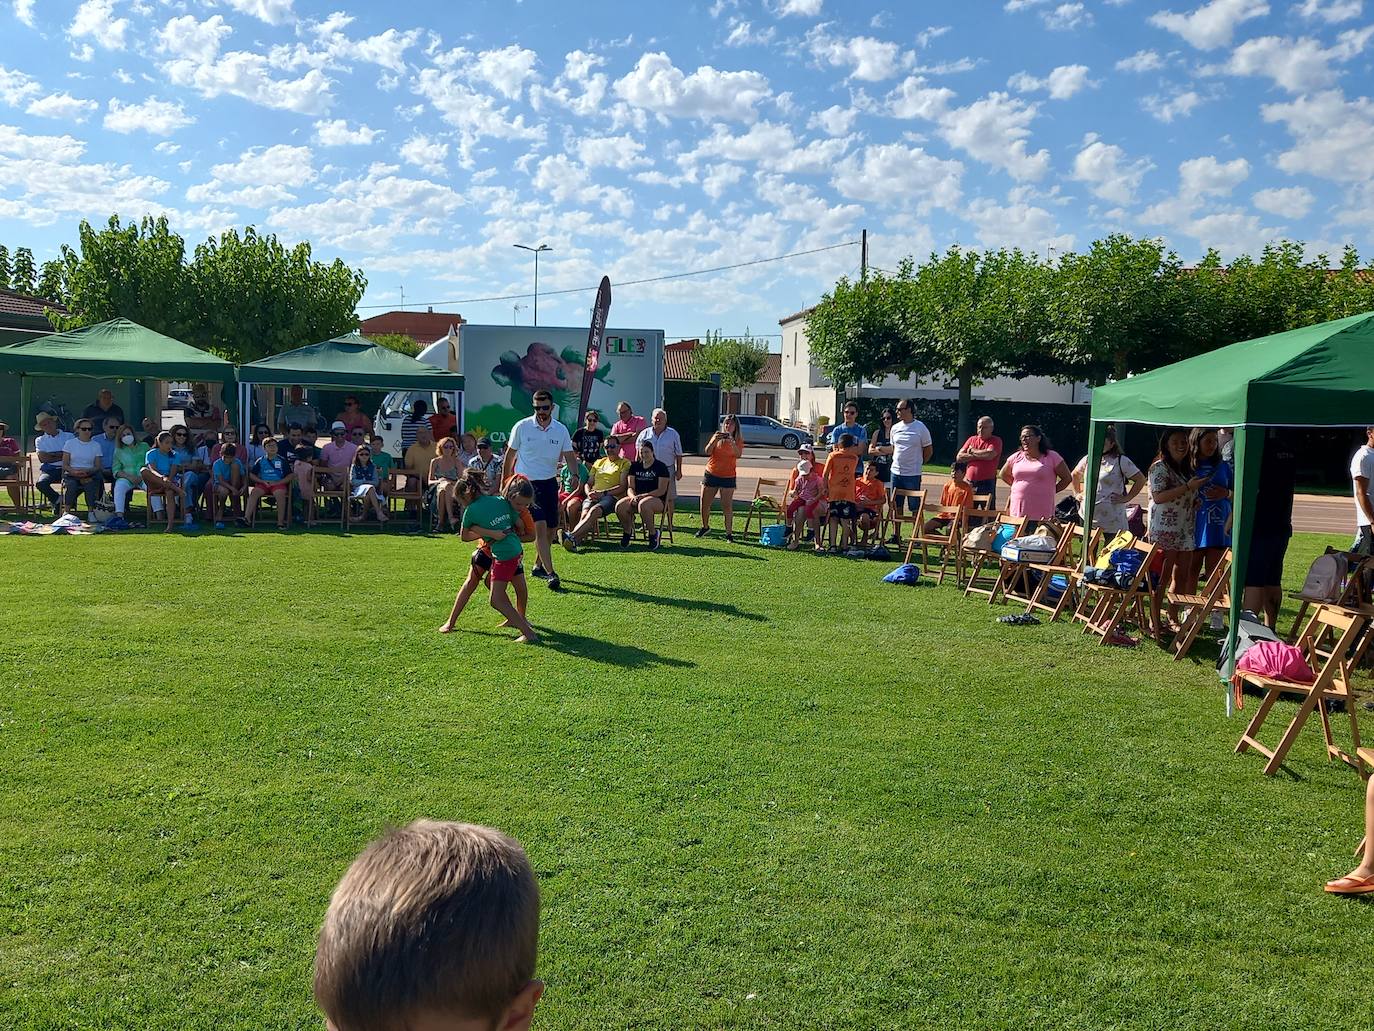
{"x": 274, "y": 12}
{"x": 1108, "y": 172}
{"x": 610, "y": 151}
{"x": 720, "y": 178}
{"x": 507, "y": 69}
{"x": 1206, "y": 176}
{"x": 16, "y": 87}
{"x": 153, "y": 116}
{"x": 1298, "y": 65}
{"x": 800, "y": 8}
{"x": 424, "y": 152}
{"x": 167, "y": 147}
{"x": 95, "y": 18}
{"x": 994, "y": 130}
{"x": 1140, "y": 61}
{"x": 1166, "y": 109}
{"x": 914, "y": 99}
{"x": 84, "y": 53}
{"x": 249, "y": 76}
{"x": 894, "y": 174}
{"x": 866, "y": 58}
{"x": 743, "y": 34}
{"x": 579, "y": 88}
{"x": 834, "y": 120}
{"x": 62, "y": 105}
{"x": 1333, "y": 137}
{"x": 1017, "y": 224}
{"x": 477, "y": 116}
{"x": 23, "y": 10}
{"x": 1062, "y": 83}
{"x": 1213, "y": 24}
{"x": 336, "y": 133}
{"x": 657, "y": 85}
{"x": 277, "y": 165}
{"x": 196, "y": 40}
{"x": 16, "y": 142}
{"x": 1331, "y": 11}
{"x": 1066, "y": 17}
{"x": 1288, "y": 202}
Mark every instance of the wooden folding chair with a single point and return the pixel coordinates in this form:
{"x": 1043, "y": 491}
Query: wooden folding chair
{"x": 326, "y": 491}
{"x": 1351, "y": 596}
{"x": 768, "y": 494}
{"x": 946, "y": 546}
{"x": 981, "y": 511}
{"x": 1103, "y": 608}
{"x": 1017, "y": 581}
{"x": 1213, "y": 594}
{"x": 16, "y": 471}
{"x": 1066, "y": 563}
{"x": 898, "y": 516}
{"x": 1334, "y": 641}
{"x": 989, "y": 584}
{"x": 408, "y": 488}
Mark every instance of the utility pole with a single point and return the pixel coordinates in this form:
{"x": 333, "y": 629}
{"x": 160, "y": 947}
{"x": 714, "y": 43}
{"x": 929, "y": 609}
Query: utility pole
{"x": 863, "y": 257}
{"x": 536, "y": 251}
{"x": 403, "y": 297}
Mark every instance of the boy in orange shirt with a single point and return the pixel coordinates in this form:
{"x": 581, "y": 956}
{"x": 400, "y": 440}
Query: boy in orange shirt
{"x": 957, "y": 493}
{"x": 839, "y": 489}
{"x": 870, "y": 494}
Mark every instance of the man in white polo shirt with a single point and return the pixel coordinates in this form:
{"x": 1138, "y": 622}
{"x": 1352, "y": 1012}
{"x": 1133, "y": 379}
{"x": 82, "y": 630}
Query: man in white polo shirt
{"x": 535, "y": 447}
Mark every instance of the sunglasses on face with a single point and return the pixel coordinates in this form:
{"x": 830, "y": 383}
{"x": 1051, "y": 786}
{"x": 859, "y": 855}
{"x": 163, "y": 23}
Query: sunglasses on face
{"x": 83, "y": 429}
{"x": 543, "y": 408}
{"x": 338, "y": 433}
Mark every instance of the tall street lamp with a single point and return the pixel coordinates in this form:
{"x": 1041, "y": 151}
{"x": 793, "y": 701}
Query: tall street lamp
{"x": 536, "y": 251}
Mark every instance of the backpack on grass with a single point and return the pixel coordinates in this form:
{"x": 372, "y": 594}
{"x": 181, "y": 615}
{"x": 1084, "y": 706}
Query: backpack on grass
{"x": 904, "y": 574}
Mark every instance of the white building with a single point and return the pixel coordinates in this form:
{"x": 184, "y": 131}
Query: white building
{"x": 806, "y": 393}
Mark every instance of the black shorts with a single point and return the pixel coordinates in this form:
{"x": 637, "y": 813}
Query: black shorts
{"x": 545, "y": 508}
{"x": 843, "y": 510}
{"x": 1267, "y": 550}
{"x": 719, "y": 482}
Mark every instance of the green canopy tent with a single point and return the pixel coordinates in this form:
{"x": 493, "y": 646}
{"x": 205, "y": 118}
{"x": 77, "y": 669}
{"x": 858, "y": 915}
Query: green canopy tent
{"x": 350, "y": 362}
{"x": 118, "y": 349}
{"x": 1320, "y": 375}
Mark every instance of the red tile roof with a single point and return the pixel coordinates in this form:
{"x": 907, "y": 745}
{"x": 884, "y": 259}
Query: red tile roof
{"x": 25, "y": 310}
{"x": 677, "y": 362}
{"x": 424, "y": 327}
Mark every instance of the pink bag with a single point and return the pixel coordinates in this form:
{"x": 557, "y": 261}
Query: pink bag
{"x": 1278, "y": 660}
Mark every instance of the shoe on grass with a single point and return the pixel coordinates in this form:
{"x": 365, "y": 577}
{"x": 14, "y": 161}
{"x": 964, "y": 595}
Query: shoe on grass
{"x": 539, "y": 573}
{"x": 703, "y": 531}
{"x": 219, "y": 526}
{"x": 625, "y": 541}
{"x": 655, "y": 539}
{"x": 568, "y": 542}
{"x": 554, "y": 583}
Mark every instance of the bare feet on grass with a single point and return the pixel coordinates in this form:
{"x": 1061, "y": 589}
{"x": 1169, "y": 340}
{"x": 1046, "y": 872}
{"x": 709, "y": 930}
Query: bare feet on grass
{"x": 446, "y": 628}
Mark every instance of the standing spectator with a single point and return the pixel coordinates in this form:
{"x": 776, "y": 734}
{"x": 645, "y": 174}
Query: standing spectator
{"x": 880, "y": 448}
{"x": 983, "y": 453}
{"x": 103, "y": 408}
{"x": 851, "y": 426}
{"x": 723, "y": 452}
{"x": 838, "y": 477}
{"x": 354, "y": 418}
{"x": 1212, "y": 534}
{"x": 50, "y": 461}
{"x": 588, "y": 441}
{"x": 9, "y": 448}
{"x": 627, "y": 429}
{"x": 298, "y": 412}
{"x": 1036, "y": 473}
{"x": 129, "y": 458}
{"x": 537, "y": 444}
{"x": 443, "y": 423}
{"x": 1271, "y": 527}
{"x": 337, "y": 455}
{"x": 1173, "y": 508}
{"x": 1119, "y": 480}
{"x": 911, "y": 449}
{"x": 202, "y": 414}
{"x": 410, "y": 428}
{"x": 667, "y": 447}
{"x": 488, "y": 463}
{"x": 81, "y": 468}
{"x": 1362, "y": 474}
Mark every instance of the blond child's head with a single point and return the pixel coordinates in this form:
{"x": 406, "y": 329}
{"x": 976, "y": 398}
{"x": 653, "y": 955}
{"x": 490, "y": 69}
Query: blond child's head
{"x": 434, "y": 927}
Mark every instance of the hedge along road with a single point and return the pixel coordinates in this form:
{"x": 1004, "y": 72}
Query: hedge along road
{"x": 1312, "y": 513}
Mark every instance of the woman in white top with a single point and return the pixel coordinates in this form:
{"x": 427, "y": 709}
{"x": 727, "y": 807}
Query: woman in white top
{"x": 1119, "y": 480}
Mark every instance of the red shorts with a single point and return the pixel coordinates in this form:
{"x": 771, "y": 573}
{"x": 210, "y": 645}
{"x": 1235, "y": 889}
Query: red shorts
{"x": 505, "y": 569}
{"x": 278, "y": 487}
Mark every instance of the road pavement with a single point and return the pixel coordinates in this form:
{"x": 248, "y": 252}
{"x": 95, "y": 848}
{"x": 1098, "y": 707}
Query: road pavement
{"x": 1312, "y": 513}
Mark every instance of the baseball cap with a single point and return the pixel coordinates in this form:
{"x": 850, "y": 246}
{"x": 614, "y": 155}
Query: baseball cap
{"x": 807, "y": 447}
{"x": 337, "y": 426}
{"x": 804, "y": 467}
{"x": 484, "y": 442}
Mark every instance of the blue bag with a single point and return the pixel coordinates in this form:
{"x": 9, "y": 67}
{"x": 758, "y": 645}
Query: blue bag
{"x": 904, "y": 574}
{"x": 1004, "y": 534}
{"x": 774, "y": 536}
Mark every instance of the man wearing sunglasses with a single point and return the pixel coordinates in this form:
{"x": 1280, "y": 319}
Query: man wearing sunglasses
{"x": 81, "y": 463}
{"x": 537, "y": 444}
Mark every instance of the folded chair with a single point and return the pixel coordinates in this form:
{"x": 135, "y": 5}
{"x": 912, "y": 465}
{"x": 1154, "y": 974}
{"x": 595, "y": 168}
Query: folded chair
{"x": 902, "y": 499}
{"x": 985, "y": 572}
{"x": 1333, "y": 644}
{"x": 945, "y": 546}
{"x": 1213, "y": 594}
{"x": 1103, "y": 608}
{"x": 768, "y": 494}
{"x": 1076, "y": 546}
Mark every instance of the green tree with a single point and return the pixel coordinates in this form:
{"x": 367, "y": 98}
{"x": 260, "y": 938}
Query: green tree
{"x": 865, "y": 330}
{"x": 50, "y": 280}
{"x": 1352, "y": 288}
{"x": 4, "y": 267}
{"x": 24, "y": 274}
{"x": 740, "y": 361}
{"x": 399, "y": 342}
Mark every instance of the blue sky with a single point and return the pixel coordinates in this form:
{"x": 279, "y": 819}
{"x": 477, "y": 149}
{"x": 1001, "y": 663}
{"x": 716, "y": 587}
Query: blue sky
{"x": 420, "y": 141}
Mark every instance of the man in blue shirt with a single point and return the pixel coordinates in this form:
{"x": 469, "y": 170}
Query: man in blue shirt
{"x": 851, "y": 425}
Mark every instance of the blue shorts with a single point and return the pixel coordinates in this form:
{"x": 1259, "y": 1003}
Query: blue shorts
{"x": 905, "y": 483}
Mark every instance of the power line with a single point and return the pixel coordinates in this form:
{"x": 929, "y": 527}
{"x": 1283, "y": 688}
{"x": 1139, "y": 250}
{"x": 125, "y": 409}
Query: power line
{"x": 631, "y": 282}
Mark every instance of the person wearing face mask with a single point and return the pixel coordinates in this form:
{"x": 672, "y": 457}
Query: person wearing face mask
{"x": 130, "y": 455}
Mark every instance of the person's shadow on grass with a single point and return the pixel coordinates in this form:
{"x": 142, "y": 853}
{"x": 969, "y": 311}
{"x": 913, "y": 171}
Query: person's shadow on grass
{"x": 597, "y": 649}
{"x": 583, "y": 587}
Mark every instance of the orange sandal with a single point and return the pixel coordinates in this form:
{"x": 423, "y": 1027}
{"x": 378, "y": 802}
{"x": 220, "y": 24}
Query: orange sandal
{"x": 1350, "y": 885}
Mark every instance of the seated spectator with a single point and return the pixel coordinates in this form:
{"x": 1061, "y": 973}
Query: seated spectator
{"x": 421, "y": 453}
{"x": 162, "y": 480}
{"x": 804, "y": 500}
{"x": 298, "y": 412}
{"x": 192, "y": 475}
{"x": 81, "y": 468}
{"x": 228, "y": 484}
{"x": 410, "y": 427}
{"x": 957, "y": 493}
{"x": 571, "y": 492}
{"x": 367, "y": 486}
{"x": 443, "y": 423}
{"x": 150, "y": 432}
{"x": 228, "y": 436}
{"x": 381, "y": 457}
{"x": 103, "y": 408}
{"x": 646, "y": 494}
{"x": 435, "y": 926}
{"x": 303, "y": 467}
{"x": 107, "y": 436}
{"x": 467, "y": 449}
{"x": 202, "y": 414}
{"x": 608, "y": 483}
{"x": 489, "y": 463}
{"x": 270, "y": 477}
{"x": 254, "y": 449}
{"x": 354, "y": 418}
{"x": 446, "y": 472}
{"x": 838, "y": 477}
{"x": 9, "y": 448}
{"x": 49, "y": 447}
{"x": 358, "y": 437}
{"x": 295, "y": 439}
{"x": 870, "y": 495}
{"x": 337, "y": 455}
{"x": 129, "y": 459}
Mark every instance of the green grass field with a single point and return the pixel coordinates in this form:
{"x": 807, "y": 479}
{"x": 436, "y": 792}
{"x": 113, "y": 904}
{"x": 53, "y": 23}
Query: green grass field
{"x": 760, "y": 789}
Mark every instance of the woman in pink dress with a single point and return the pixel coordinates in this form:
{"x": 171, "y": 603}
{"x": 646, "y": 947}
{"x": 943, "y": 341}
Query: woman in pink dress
{"x": 1036, "y": 474}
